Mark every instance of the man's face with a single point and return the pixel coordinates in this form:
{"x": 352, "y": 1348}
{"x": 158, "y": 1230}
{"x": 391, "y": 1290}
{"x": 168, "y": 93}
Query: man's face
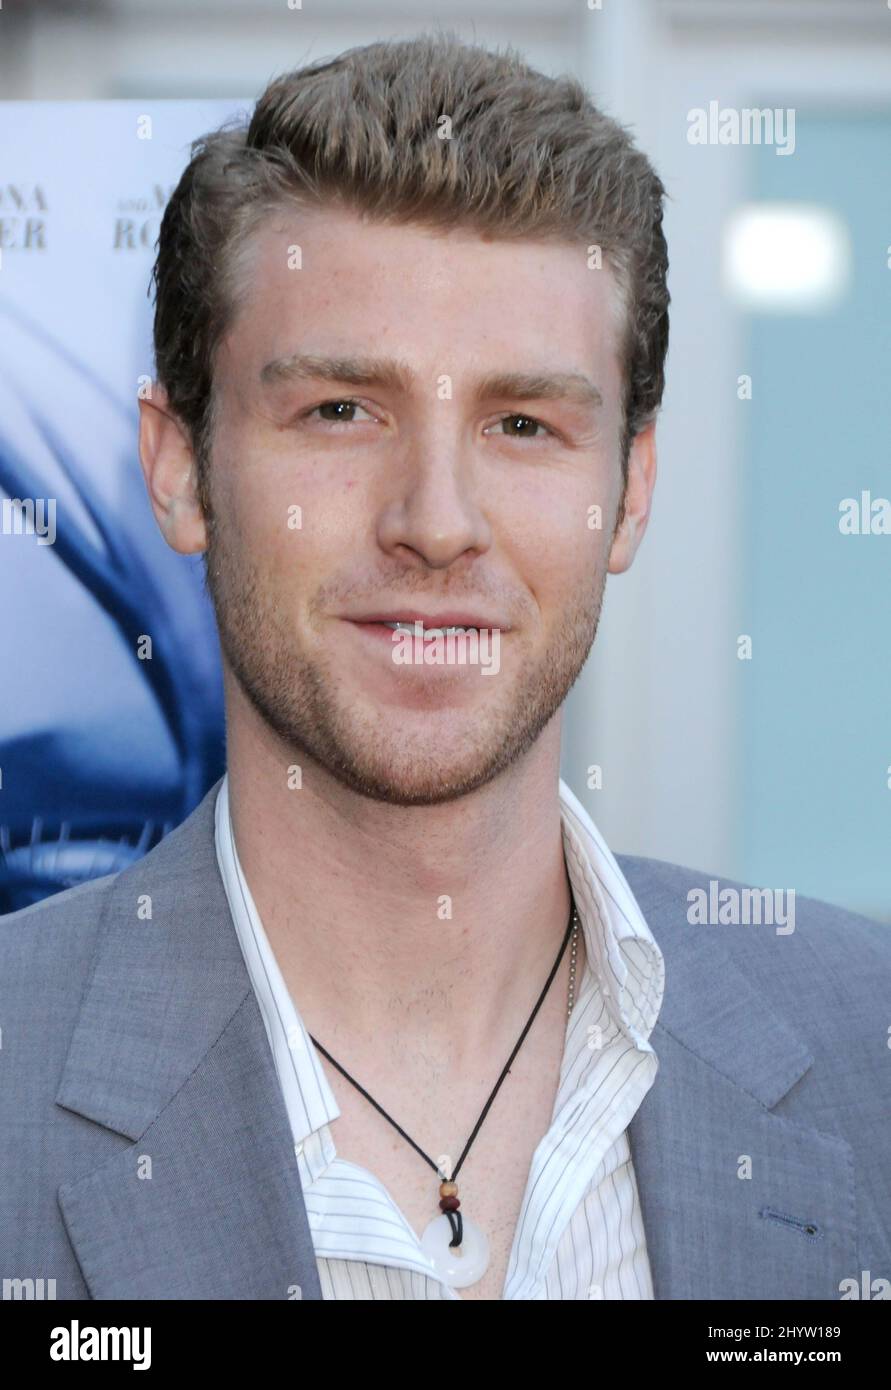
{"x": 435, "y": 494}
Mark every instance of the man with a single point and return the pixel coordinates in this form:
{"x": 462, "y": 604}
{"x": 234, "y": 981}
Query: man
{"x": 341, "y": 1034}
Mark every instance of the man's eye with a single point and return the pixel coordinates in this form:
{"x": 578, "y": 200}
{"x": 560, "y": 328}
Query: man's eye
{"x": 527, "y": 427}
{"x": 341, "y": 411}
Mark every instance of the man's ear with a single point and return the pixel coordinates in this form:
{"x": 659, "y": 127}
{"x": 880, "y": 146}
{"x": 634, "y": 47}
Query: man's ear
{"x": 638, "y": 499}
{"x": 170, "y": 472}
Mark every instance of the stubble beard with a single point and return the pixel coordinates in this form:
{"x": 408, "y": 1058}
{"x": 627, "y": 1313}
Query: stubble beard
{"x": 296, "y": 696}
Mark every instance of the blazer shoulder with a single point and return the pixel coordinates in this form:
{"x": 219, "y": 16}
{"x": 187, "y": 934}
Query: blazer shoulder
{"x": 73, "y": 912}
{"x": 49, "y": 946}
{"x": 179, "y": 861}
{"x": 669, "y": 891}
{"x": 49, "y": 951}
{"x": 806, "y": 938}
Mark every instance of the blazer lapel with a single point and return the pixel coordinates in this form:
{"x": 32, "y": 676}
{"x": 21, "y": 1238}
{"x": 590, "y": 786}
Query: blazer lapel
{"x": 726, "y": 1060}
{"x": 171, "y": 1054}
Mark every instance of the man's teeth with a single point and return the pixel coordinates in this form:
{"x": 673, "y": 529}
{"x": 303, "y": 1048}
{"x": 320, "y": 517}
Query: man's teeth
{"x": 410, "y": 627}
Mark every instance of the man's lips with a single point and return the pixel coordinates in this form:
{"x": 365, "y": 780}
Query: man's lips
{"x": 416, "y": 673}
{"x": 390, "y": 633}
{"x": 451, "y": 618}
{"x": 387, "y": 637}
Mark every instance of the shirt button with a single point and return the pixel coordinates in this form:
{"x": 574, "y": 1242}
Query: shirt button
{"x": 298, "y": 1149}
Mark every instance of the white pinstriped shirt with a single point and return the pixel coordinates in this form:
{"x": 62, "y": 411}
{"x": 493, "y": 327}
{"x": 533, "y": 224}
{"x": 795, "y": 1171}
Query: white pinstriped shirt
{"x": 579, "y": 1234}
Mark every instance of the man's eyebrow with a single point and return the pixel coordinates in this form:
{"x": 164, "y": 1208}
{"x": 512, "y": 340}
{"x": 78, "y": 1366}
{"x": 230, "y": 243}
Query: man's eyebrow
{"x": 544, "y": 386}
{"x": 355, "y": 371}
{"x": 394, "y": 375}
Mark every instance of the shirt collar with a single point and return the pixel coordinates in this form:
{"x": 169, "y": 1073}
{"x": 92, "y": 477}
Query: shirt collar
{"x": 620, "y": 951}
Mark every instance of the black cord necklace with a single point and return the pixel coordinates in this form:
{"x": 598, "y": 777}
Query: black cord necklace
{"x": 463, "y": 1259}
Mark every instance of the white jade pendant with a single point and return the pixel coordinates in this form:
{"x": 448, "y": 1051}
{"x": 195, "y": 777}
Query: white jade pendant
{"x": 463, "y": 1265}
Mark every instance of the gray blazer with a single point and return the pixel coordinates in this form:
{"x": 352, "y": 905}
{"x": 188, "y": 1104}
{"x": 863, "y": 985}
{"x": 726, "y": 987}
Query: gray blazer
{"x": 145, "y": 1151}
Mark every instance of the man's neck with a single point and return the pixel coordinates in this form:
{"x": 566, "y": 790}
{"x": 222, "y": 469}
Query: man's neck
{"x": 436, "y": 925}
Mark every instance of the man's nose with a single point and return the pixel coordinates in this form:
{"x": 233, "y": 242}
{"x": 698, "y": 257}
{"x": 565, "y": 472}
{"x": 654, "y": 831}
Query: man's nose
{"x": 435, "y": 507}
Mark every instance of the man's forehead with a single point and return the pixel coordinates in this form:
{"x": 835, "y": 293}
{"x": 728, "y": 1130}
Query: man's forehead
{"x": 332, "y": 233}
{"x": 286, "y": 351}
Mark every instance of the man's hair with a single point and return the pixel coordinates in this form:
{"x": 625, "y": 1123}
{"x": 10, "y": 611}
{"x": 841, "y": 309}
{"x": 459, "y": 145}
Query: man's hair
{"x": 525, "y": 156}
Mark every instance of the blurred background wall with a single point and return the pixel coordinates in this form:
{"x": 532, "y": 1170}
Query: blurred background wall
{"x": 736, "y": 700}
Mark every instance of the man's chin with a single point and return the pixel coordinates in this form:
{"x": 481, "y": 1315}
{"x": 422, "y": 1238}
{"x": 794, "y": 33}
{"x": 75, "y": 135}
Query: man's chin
{"x": 425, "y": 779}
